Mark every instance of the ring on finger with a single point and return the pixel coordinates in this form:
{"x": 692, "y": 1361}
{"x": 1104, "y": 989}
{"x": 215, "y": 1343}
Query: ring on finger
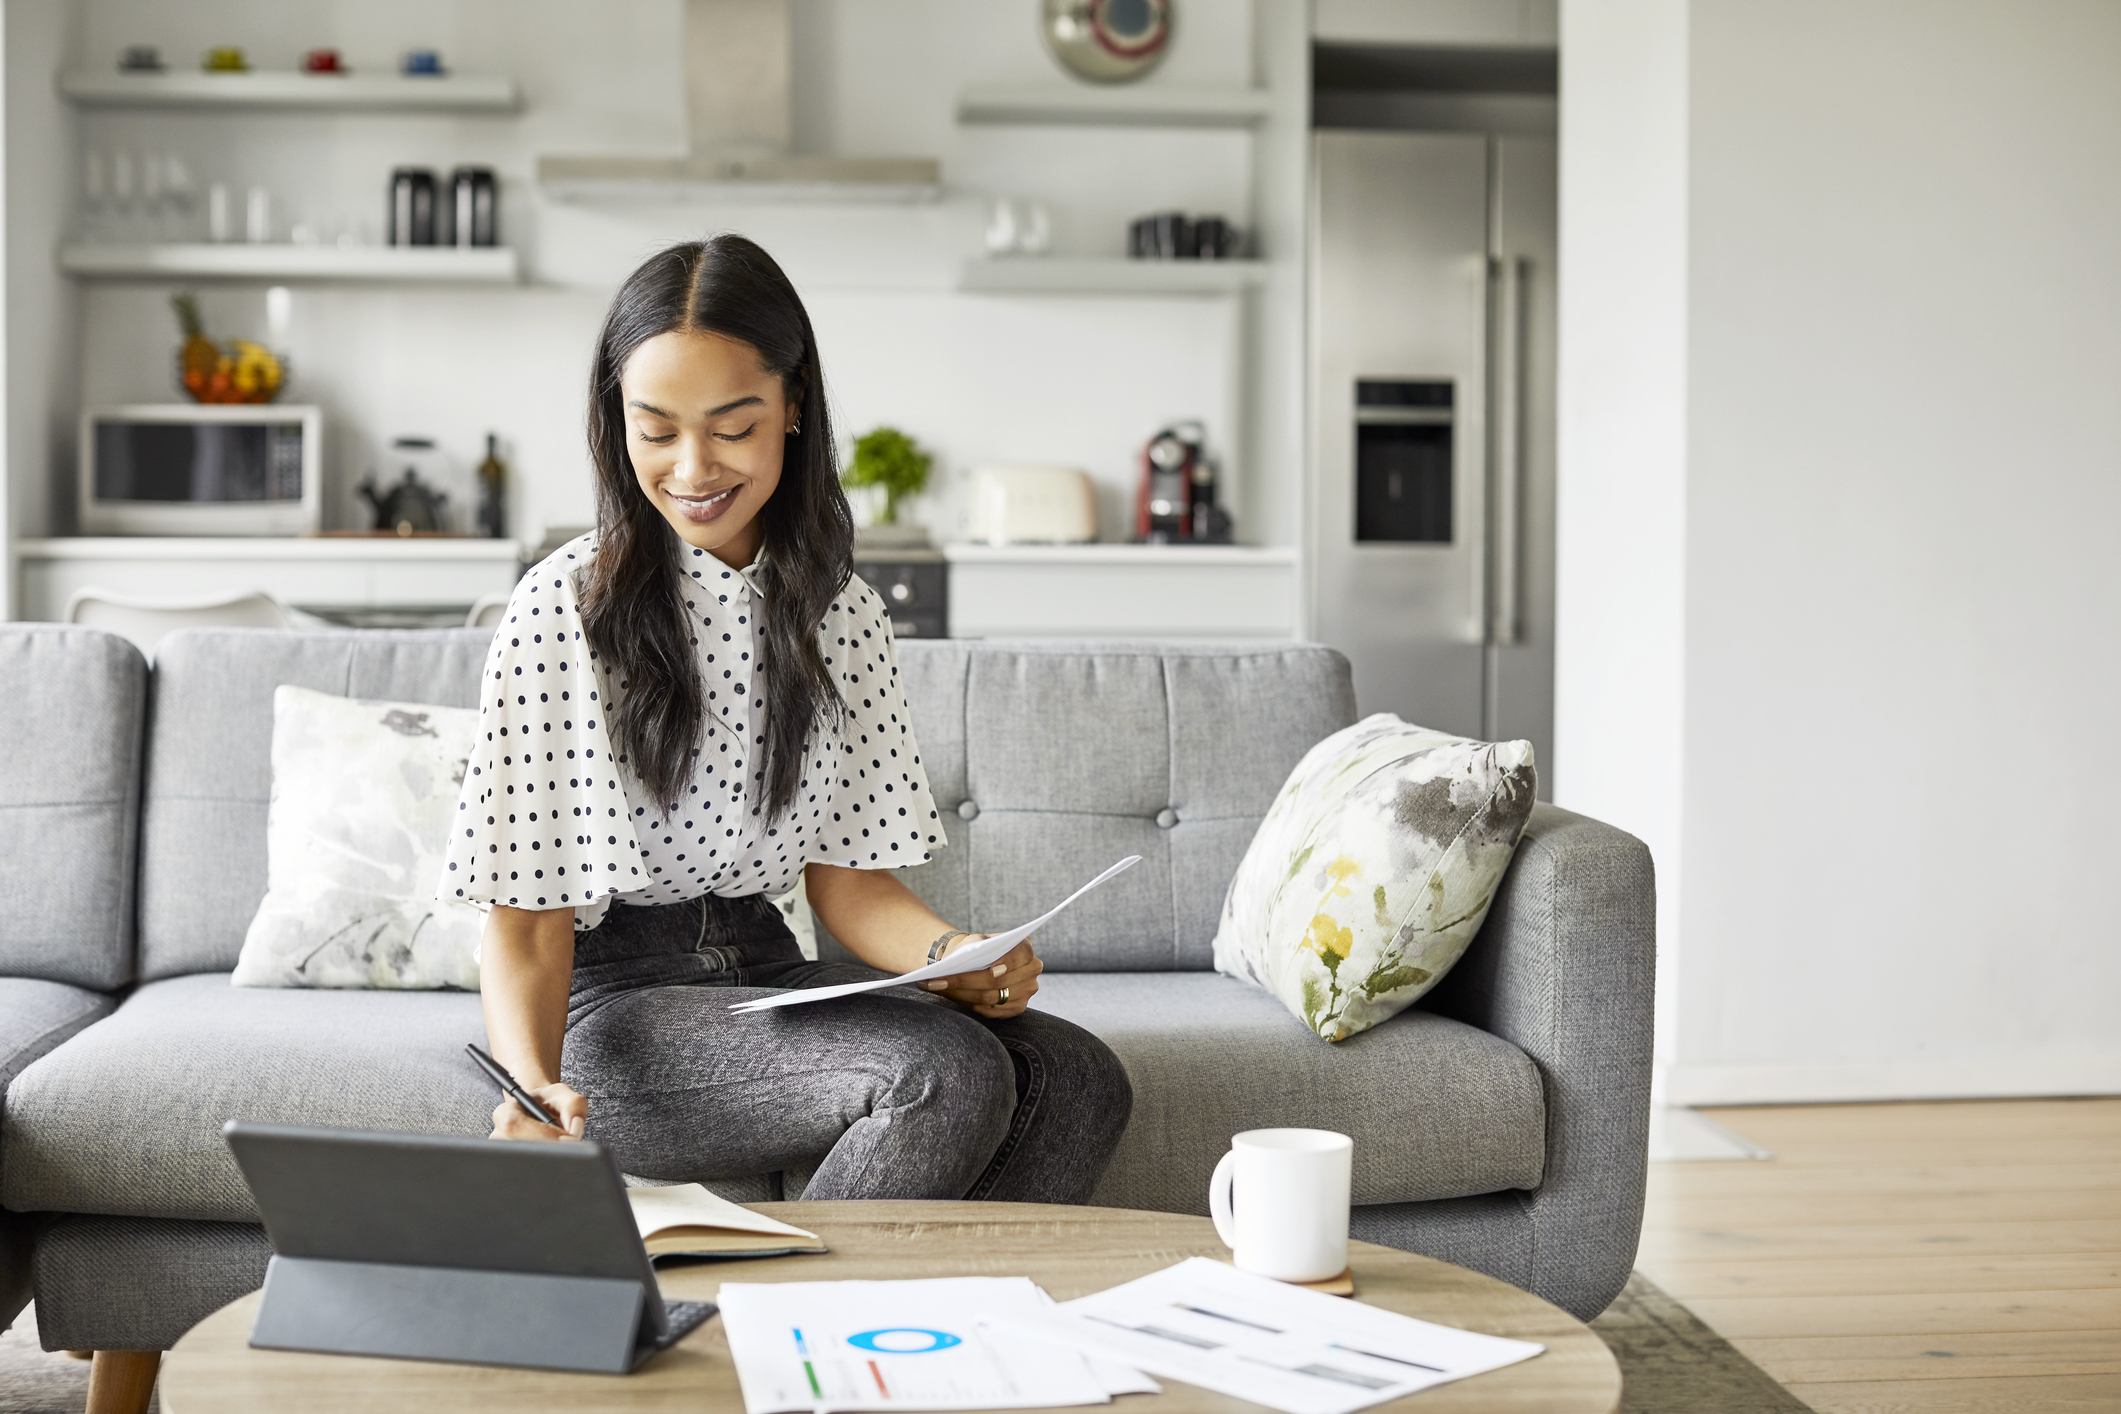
{"x": 1003, "y": 995}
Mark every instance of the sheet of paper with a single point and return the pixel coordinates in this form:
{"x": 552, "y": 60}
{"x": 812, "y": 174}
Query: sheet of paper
{"x": 1115, "y": 1377}
{"x": 984, "y": 953}
{"x": 860, "y": 1345}
{"x": 1299, "y": 1351}
{"x": 691, "y": 1205}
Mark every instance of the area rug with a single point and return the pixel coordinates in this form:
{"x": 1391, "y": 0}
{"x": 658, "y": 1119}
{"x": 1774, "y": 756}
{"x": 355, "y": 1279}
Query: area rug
{"x": 1670, "y": 1363}
{"x": 36, "y": 1381}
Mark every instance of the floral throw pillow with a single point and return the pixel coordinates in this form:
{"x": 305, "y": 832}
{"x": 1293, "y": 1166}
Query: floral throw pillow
{"x": 1373, "y": 870}
{"x": 363, "y": 798}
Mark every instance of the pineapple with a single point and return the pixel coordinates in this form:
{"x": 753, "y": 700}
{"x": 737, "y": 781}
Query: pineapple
{"x": 198, "y": 359}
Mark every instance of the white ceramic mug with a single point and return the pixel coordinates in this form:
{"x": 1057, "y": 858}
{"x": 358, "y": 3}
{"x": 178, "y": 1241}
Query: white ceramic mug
{"x": 1280, "y": 1202}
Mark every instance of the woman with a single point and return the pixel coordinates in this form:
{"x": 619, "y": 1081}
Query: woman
{"x": 686, "y": 711}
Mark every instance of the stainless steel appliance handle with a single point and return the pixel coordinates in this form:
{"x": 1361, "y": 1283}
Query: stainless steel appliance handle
{"x": 1506, "y": 628}
{"x": 1404, "y": 417}
{"x": 1479, "y": 536}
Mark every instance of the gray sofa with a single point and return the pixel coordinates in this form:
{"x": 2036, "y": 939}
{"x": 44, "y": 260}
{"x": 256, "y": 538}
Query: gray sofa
{"x": 1500, "y": 1124}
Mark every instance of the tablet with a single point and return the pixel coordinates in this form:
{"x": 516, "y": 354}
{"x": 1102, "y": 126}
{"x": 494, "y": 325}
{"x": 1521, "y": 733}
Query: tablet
{"x": 434, "y": 1247}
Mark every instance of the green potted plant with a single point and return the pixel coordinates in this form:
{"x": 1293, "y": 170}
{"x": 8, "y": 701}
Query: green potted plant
{"x": 890, "y": 461}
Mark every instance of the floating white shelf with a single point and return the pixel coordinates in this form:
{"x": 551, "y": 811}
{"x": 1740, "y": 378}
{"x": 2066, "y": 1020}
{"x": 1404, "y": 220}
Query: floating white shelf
{"x": 778, "y": 181}
{"x": 1075, "y": 104}
{"x": 1046, "y": 275}
{"x": 490, "y": 265}
{"x": 446, "y": 93}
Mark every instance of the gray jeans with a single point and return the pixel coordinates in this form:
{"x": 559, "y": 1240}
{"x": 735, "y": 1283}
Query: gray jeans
{"x": 891, "y": 1094}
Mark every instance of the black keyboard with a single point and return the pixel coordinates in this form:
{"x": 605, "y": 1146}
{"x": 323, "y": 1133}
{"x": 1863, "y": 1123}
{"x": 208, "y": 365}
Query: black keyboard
{"x": 686, "y": 1317}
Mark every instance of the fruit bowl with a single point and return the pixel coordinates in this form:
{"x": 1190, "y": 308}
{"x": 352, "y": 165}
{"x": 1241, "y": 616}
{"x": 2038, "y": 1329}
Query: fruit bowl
{"x": 236, "y": 372}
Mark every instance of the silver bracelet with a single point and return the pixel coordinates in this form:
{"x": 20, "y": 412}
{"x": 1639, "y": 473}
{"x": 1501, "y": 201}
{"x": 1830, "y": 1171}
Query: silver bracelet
{"x": 935, "y": 949}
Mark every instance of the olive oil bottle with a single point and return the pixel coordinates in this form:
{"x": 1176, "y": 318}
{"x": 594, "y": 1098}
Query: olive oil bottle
{"x": 493, "y": 492}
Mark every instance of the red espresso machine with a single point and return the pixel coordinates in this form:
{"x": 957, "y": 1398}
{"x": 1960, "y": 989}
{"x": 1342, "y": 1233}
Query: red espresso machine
{"x": 1176, "y": 502}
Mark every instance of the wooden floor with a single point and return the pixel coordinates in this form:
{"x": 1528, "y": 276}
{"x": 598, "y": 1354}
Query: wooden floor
{"x": 1957, "y": 1258}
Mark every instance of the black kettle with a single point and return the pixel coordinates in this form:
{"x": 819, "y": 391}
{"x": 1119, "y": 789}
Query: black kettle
{"x": 410, "y": 507}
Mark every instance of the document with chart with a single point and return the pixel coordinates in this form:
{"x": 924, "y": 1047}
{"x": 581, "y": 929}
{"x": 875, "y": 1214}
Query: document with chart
{"x": 856, "y": 1345}
{"x": 1300, "y": 1351}
{"x": 984, "y": 953}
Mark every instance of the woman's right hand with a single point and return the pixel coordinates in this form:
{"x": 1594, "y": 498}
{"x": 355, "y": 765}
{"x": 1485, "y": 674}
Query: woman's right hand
{"x": 509, "y": 1121}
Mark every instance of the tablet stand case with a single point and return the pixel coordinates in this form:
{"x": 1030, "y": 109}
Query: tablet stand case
{"x": 429, "y": 1247}
{"x": 589, "y": 1324}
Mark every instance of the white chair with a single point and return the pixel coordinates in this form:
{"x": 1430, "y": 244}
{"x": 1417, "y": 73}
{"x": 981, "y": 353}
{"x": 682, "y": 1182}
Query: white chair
{"x": 147, "y": 621}
{"x": 487, "y": 612}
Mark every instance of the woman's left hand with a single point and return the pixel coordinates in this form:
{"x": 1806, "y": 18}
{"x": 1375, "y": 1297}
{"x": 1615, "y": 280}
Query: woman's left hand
{"x": 1002, "y": 990}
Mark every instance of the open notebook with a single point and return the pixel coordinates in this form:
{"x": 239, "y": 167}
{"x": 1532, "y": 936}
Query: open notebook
{"x": 685, "y": 1220}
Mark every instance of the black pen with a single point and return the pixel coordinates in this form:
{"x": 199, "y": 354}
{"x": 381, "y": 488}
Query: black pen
{"x": 525, "y": 1101}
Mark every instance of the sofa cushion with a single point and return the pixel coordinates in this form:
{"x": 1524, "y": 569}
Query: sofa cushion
{"x": 1052, "y": 760}
{"x": 1374, "y": 869}
{"x": 209, "y": 765}
{"x": 364, "y": 798}
{"x": 126, "y": 1119}
{"x": 35, "y": 1016}
{"x": 1437, "y": 1109}
{"x": 1066, "y": 757}
{"x": 69, "y": 799}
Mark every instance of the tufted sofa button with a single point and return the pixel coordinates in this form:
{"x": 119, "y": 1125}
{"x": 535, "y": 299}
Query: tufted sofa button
{"x": 968, "y": 810}
{"x": 1166, "y": 818}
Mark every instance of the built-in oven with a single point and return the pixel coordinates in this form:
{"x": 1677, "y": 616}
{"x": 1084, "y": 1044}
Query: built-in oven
{"x": 915, "y": 587}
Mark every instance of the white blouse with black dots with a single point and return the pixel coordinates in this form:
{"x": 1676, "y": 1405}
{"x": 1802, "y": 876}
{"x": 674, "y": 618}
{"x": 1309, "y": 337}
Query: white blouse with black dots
{"x": 550, "y": 818}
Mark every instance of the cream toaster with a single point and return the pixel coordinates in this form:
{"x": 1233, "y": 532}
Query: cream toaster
{"x": 1034, "y": 505}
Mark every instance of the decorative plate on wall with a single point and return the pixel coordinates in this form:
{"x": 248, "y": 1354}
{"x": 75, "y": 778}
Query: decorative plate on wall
{"x": 1109, "y": 41}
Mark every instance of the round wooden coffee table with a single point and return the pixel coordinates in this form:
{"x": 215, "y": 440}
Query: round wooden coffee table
{"x": 1069, "y": 1251}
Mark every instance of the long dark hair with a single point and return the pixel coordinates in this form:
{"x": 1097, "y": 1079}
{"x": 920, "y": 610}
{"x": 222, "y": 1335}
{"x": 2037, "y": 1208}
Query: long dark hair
{"x": 633, "y": 608}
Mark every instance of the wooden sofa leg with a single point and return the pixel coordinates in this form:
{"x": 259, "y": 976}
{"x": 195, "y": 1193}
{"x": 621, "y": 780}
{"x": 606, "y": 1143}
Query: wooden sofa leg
{"x": 121, "y": 1381}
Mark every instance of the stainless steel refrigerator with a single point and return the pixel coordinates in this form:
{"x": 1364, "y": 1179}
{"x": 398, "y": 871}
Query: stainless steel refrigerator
{"x": 1431, "y": 499}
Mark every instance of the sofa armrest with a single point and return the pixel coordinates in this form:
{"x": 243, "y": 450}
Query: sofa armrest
{"x": 1564, "y": 969}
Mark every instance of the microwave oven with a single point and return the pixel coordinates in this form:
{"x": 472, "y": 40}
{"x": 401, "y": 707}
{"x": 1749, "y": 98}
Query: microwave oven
{"x": 178, "y": 469}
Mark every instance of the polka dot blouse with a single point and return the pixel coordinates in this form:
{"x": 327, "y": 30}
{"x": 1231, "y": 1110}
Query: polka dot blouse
{"x": 550, "y": 818}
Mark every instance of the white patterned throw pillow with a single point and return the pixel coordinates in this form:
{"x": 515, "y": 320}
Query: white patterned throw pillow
{"x": 1373, "y": 870}
{"x": 363, "y": 797}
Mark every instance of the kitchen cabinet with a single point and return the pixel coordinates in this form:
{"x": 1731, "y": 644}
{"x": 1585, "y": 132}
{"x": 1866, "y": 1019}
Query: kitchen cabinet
{"x": 310, "y": 573}
{"x": 1123, "y": 591}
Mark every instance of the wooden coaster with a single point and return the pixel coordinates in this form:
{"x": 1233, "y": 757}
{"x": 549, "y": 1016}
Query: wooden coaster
{"x": 1342, "y": 1285}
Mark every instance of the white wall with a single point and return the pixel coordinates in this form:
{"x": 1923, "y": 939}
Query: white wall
{"x": 1902, "y": 340}
{"x": 976, "y": 378}
{"x": 39, "y": 309}
{"x": 1903, "y": 600}
{"x": 1620, "y": 611}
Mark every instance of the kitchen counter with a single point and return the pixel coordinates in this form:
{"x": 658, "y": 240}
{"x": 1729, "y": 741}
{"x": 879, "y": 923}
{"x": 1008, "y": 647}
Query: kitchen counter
{"x": 995, "y": 591}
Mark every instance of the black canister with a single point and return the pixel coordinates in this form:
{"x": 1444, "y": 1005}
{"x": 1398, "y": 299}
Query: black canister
{"x": 475, "y": 205}
{"x": 412, "y": 206}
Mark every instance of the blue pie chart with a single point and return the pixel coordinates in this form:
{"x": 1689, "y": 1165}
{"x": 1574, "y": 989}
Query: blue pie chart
{"x": 904, "y": 1340}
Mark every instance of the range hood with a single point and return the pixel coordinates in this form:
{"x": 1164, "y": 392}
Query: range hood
{"x": 737, "y": 71}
